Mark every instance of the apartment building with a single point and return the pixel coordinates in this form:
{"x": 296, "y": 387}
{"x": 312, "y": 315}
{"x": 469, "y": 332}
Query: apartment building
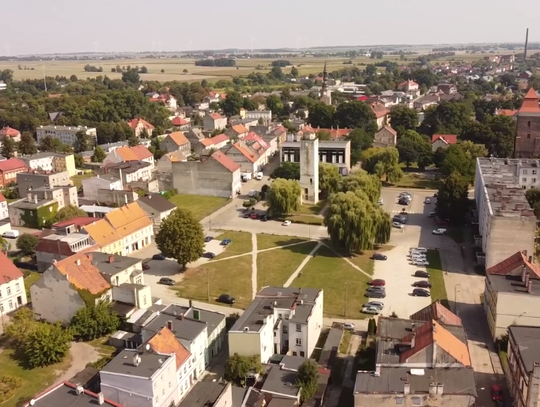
{"x": 92, "y": 186}
{"x": 66, "y": 134}
{"x": 51, "y": 162}
{"x": 28, "y": 181}
{"x": 12, "y": 291}
{"x": 9, "y": 170}
{"x": 284, "y": 320}
{"x": 126, "y": 154}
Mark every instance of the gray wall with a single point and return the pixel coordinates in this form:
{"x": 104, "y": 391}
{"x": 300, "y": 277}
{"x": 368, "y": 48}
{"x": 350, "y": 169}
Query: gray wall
{"x": 150, "y": 186}
{"x": 202, "y": 178}
{"x": 503, "y": 244}
{"x": 119, "y": 198}
{"x": 26, "y": 181}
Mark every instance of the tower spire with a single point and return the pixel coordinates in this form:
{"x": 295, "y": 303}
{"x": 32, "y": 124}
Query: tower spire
{"x": 325, "y": 94}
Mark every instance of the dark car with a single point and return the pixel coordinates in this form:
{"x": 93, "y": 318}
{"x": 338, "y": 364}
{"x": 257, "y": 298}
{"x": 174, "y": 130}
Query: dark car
{"x": 404, "y": 202}
{"x": 376, "y": 288}
{"x": 400, "y": 219}
{"x": 263, "y": 218}
{"x": 209, "y": 255}
{"x": 247, "y": 215}
{"x": 422, "y": 284}
{"x": 375, "y": 294}
{"x": 496, "y": 393}
{"x": 225, "y": 242}
{"x": 420, "y": 292}
{"x": 166, "y": 281}
{"x": 158, "y": 257}
{"x": 208, "y": 239}
{"x": 377, "y": 282}
{"x": 378, "y": 256}
{"x": 226, "y": 299}
{"x": 254, "y": 216}
{"x": 145, "y": 266}
{"x": 420, "y": 273}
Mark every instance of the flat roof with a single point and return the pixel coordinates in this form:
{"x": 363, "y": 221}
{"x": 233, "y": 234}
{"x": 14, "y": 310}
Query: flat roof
{"x": 212, "y": 319}
{"x": 527, "y": 339}
{"x": 513, "y": 284}
{"x": 123, "y": 363}
{"x": 96, "y": 209}
{"x": 65, "y": 395}
{"x": 326, "y": 144}
{"x": 24, "y": 204}
{"x": 119, "y": 263}
{"x": 186, "y": 329}
{"x": 203, "y": 394}
{"x": 69, "y": 239}
{"x": 280, "y": 381}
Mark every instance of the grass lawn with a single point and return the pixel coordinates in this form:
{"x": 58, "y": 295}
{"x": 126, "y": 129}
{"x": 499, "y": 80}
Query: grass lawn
{"x": 231, "y": 277}
{"x": 201, "y": 206}
{"x": 102, "y": 347}
{"x": 456, "y": 234}
{"x": 343, "y": 285}
{"x": 34, "y": 380}
{"x": 412, "y": 180}
{"x": 345, "y": 341}
{"x": 436, "y": 277}
{"x": 363, "y": 260}
{"x": 266, "y": 241}
{"x": 77, "y": 179}
{"x": 307, "y": 209}
{"x": 304, "y": 219}
{"x": 274, "y": 267}
{"x": 240, "y": 243}
{"x": 29, "y": 280}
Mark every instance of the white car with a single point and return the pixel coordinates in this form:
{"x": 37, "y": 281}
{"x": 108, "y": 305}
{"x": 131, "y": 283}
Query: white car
{"x": 420, "y": 263}
{"x": 259, "y": 176}
{"x": 418, "y": 249}
{"x": 348, "y": 326}
{"x": 439, "y": 231}
{"x": 286, "y": 223}
{"x": 398, "y": 225}
{"x": 381, "y": 201}
{"x": 371, "y": 310}
{"x": 427, "y": 201}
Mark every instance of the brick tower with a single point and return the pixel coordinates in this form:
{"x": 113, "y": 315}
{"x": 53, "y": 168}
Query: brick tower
{"x": 527, "y": 141}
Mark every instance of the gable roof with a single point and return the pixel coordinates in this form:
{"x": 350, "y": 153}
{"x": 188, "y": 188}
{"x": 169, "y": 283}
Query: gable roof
{"x": 9, "y": 131}
{"x": 8, "y": 271}
{"x": 178, "y": 138}
{"x": 513, "y": 265}
{"x": 530, "y": 103}
{"x": 135, "y": 122}
{"x": 178, "y": 121}
{"x": 2, "y": 197}
{"x": 80, "y": 272}
{"x": 240, "y": 129}
{"x": 245, "y": 151}
{"x": 141, "y": 152}
{"x": 12, "y": 164}
{"x": 102, "y": 233}
{"x": 157, "y": 202}
{"x": 225, "y": 161}
{"x": 128, "y": 219}
{"x": 165, "y": 342}
{"x": 77, "y": 221}
{"x": 212, "y": 141}
{"x": 445, "y": 138}
{"x": 379, "y": 109}
{"x": 438, "y": 312}
{"x": 388, "y": 128}
{"x": 126, "y": 154}
{"x": 505, "y": 112}
{"x": 215, "y": 116}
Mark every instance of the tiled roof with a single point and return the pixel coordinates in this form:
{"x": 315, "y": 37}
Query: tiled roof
{"x": 141, "y": 152}
{"x": 165, "y": 342}
{"x": 390, "y": 129}
{"x": 245, "y": 151}
{"x": 12, "y": 164}
{"x": 80, "y": 272}
{"x": 257, "y": 139}
{"x": 179, "y": 138}
{"x": 8, "y": 271}
{"x": 209, "y": 142}
{"x": 77, "y": 221}
{"x": 379, "y": 110}
{"x": 240, "y": 129}
{"x": 102, "y": 233}
{"x": 126, "y": 154}
{"x": 178, "y": 121}
{"x": 215, "y": 116}
{"x": 9, "y": 131}
{"x": 128, "y": 219}
{"x": 225, "y": 161}
{"x": 530, "y": 103}
{"x": 2, "y": 197}
{"x": 513, "y": 265}
{"x": 446, "y": 138}
{"x": 506, "y": 112}
{"x": 134, "y": 122}
{"x": 334, "y": 133}
{"x": 436, "y": 311}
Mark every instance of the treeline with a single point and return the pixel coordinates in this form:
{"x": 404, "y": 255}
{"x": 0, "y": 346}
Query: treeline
{"x": 281, "y": 63}
{"x": 92, "y": 68}
{"x": 129, "y": 68}
{"x": 216, "y": 62}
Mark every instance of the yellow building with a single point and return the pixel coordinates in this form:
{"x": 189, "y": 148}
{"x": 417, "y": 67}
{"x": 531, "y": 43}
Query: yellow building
{"x": 105, "y": 236}
{"x": 65, "y": 162}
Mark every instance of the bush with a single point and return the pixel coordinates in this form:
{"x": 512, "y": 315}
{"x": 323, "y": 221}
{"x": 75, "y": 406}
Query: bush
{"x": 27, "y": 244}
{"x": 8, "y": 385}
{"x": 94, "y": 321}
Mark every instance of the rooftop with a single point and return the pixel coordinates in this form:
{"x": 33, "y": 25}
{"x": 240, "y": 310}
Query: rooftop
{"x": 212, "y": 318}
{"x": 203, "y": 394}
{"x": 125, "y": 363}
{"x": 24, "y": 204}
{"x": 112, "y": 264}
{"x": 64, "y": 128}
{"x": 183, "y": 328}
{"x": 77, "y": 221}
{"x": 157, "y": 202}
{"x": 280, "y": 382}
{"x": 8, "y": 271}
{"x": 66, "y": 395}
{"x": 165, "y": 342}
{"x": 129, "y": 166}
{"x": 81, "y": 272}
{"x": 513, "y": 284}
{"x": 527, "y": 339}
{"x": 438, "y": 312}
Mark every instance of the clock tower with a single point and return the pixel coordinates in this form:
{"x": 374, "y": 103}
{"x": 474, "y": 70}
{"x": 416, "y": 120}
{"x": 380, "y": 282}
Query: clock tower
{"x": 309, "y": 167}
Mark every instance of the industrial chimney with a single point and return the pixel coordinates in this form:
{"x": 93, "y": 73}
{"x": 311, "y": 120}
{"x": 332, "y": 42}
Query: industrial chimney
{"x": 526, "y": 45}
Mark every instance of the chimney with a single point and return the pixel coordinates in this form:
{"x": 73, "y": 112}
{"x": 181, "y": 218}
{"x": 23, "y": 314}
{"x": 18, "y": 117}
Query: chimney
{"x": 434, "y": 327}
{"x": 523, "y": 273}
{"x": 90, "y": 256}
{"x": 529, "y": 287}
{"x": 181, "y": 317}
{"x": 406, "y": 389}
{"x": 169, "y": 325}
{"x": 78, "y": 262}
{"x": 527, "y": 277}
{"x": 440, "y": 389}
{"x": 432, "y": 389}
{"x": 190, "y": 304}
{"x": 530, "y": 259}
{"x": 35, "y": 199}
{"x": 111, "y": 259}
{"x": 101, "y": 398}
{"x": 29, "y": 196}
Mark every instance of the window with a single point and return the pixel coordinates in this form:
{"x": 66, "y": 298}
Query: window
{"x": 298, "y": 342}
{"x": 285, "y": 330}
{"x": 144, "y": 299}
{"x": 162, "y": 392}
{"x": 399, "y": 400}
{"x": 533, "y": 180}
{"x": 280, "y": 316}
{"x": 416, "y": 401}
{"x": 17, "y": 287}
{"x": 533, "y": 172}
{"x": 8, "y": 290}
{"x": 528, "y": 136}
{"x": 302, "y": 354}
{"x": 10, "y": 303}
{"x": 524, "y": 179}
{"x": 298, "y": 328}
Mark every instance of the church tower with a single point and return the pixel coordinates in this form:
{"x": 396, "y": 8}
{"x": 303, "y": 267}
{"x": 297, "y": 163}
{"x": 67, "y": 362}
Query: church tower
{"x": 527, "y": 141}
{"x": 309, "y": 167}
{"x": 326, "y": 94}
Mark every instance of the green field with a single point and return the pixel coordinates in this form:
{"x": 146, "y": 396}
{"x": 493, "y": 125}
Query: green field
{"x": 200, "y": 205}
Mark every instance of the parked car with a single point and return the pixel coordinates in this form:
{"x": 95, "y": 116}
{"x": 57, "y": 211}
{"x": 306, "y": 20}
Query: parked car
{"x": 375, "y": 294}
{"x": 374, "y": 304}
{"x": 422, "y": 284}
{"x": 286, "y": 223}
{"x": 263, "y": 218}
{"x": 11, "y": 234}
{"x": 348, "y": 326}
{"x": 158, "y": 257}
{"x": 440, "y": 231}
{"x": 420, "y": 263}
{"x": 254, "y": 216}
{"x": 209, "y": 255}
{"x": 208, "y": 239}
{"x": 380, "y": 202}
{"x": 418, "y": 258}
{"x": 376, "y": 288}
{"x": 145, "y": 266}
{"x": 398, "y": 225}
{"x": 432, "y": 214}
{"x": 226, "y": 299}
{"x": 418, "y": 249}
{"x": 166, "y": 281}
{"x": 399, "y": 219}
{"x": 496, "y": 393}
{"x": 259, "y": 176}
{"x": 225, "y": 242}
{"x": 371, "y": 310}
{"x": 247, "y": 215}
{"x": 421, "y": 273}
{"x": 404, "y": 201}
{"x": 378, "y": 256}
{"x": 377, "y": 282}
{"x": 420, "y": 292}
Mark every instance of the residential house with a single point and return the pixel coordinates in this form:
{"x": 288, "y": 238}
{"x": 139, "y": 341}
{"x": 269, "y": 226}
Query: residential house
{"x": 249, "y": 160}
{"x": 91, "y": 186}
{"x": 4, "y": 210}
{"x": 447, "y": 88}
{"x": 381, "y": 113}
{"x": 139, "y": 126}
{"x": 523, "y": 364}
{"x": 260, "y": 115}
{"x": 54, "y": 162}
{"x": 512, "y": 294}
{"x": 506, "y": 112}
{"x": 181, "y": 122}
{"x": 194, "y": 135}
{"x": 67, "y": 394}
{"x": 214, "y": 143}
{"x": 214, "y": 97}
{"x": 169, "y": 101}
{"x": 127, "y": 154}
{"x": 176, "y": 141}
{"x": 279, "y": 320}
{"x": 66, "y": 286}
{"x": 130, "y": 172}
{"x": 213, "y": 122}
{"x": 442, "y": 141}
{"x": 95, "y": 211}
{"x": 522, "y": 75}
{"x": 213, "y": 175}
{"x": 238, "y": 131}
{"x": 12, "y": 291}
{"x": 423, "y": 103}
{"x": 264, "y": 145}
{"x": 156, "y": 207}
{"x": 409, "y": 86}
{"x": 66, "y": 134}
{"x": 507, "y": 59}
{"x": 105, "y": 236}
{"x": 164, "y": 164}
{"x": 10, "y": 132}
{"x": 215, "y": 394}
{"x": 29, "y": 181}
{"x": 9, "y": 170}
{"x": 336, "y": 152}
{"x": 63, "y": 195}
{"x": 32, "y": 212}
{"x": 280, "y": 381}
{"x": 117, "y": 198}
{"x": 438, "y": 313}
{"x": 385, "y": 137}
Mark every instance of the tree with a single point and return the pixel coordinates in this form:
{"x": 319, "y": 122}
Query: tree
{"x": 232, "y": 104}
{"x": 452, "y": 198}
{"x": 294, "y": 72}
{"x": 307, "y": 379}
{"x": 79, "y": 160}
{"x": 237, "y": 368}
{"x": 133, "y": 140}
{"x": 447, "y": 118}
{"x": 94, "y": 321}
{"x": 99, "y": 155}
{"x": 83, "y": 142}
{"x": 51, "y": 145}
{"x": 462, "y": 157}
{"x": 403, "y": 118}
{"x": 283, "y": 196}
{"x": 329, "y": 179}
{"x": 181, "y": 237}
{"x": 321, "y": 115}
{"x": 27, "y": 145}
{"x": 384, "y": 162}
{"x": 274, "y": 103}
{"x": 415, "y": 148}
{"x": 533, "y": 197}
{"x": 360, "y": 141}
{"x": 324, "y": 135}
{"x": 68, "y": 212}
{"x": 27, "y": 244}
{"x": 287, "y": 170}
{"x": 372, "y": 327}
{"x": 185, "y": 71}
{"x": 356, "y": 114}
{"x": 8, "y": 147}
{"x": 360, "y": 180}
{"x": 46, "y": 345}
{"x": 131, "y": 76}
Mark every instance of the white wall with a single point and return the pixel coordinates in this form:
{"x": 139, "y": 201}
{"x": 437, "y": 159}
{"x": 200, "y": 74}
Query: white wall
{"x": 12, "y": 296}
{"x": 143, "y": 237}
{"x": 91, "y": 186}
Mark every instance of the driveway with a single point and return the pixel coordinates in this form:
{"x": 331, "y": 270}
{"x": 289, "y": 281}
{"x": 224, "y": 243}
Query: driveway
{"x": 81, "y": 354}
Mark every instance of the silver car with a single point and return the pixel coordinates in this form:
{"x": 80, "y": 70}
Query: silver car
{"x": 371, "y": 310}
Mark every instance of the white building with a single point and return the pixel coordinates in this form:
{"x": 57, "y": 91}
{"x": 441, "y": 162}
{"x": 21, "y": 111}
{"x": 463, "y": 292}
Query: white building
{"x": 91, "y": 186}
{"x": 264, "y": 115}
{"x": 284, "y": 320}
{"x": 66, "y": 134}
{"x": 499, "y": 191}
{"x": 12, "y": 291}
{"x": 309, "y": 168}
{"x": 4, "y": 210}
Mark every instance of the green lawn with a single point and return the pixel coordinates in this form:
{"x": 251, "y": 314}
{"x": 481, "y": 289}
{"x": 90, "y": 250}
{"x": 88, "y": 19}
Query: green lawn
{"x": 231, "y": 277}
{"x": 77, "y": 179}
{"x": 101, "y": 345}
{"x": 309, "y": 209}
{"x": 30, "y": 278}
{"x": 200, "y": 205}
{"x": 274, "y": 267}
{"x": 304, "y": 219}
{"x": 436, "y": 277}
{"x": 343, "y": 285}
{"x": 240, "y": 243}
{"x": 412, "y": 180}
{"x": 34, "y": 380}
{"x": 266, "y": 241}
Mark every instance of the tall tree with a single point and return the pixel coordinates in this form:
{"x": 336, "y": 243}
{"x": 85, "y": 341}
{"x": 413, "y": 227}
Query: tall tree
{"x": 133, "y": 140}
{"x": 287, "y": 170}
{"x": 50, "y": 144}
{"x": 329, "y": 179}
{"x": 403, "y": 118}
{"x": 462, "y": 157}
{"x": 356, "y": 115}
{"x": 131, "y": 76}
{"x": 46, "y": 345}
{"x": 452, "y": 199}
{"x": 283, "y": 196}
{"x": 384, "y": 162}
{"x": 321, "y": 115}
{"x": 414, "y": 148}
{"x": 27, "y": 145}
{"x": 307, "y": 379}
{"x": 274, "y": 103}
{"x": 360, "y": 141}
{"x": 94, "y": 321}
{"x": 69, "y": 212}
{"x": 99, "y": 155}
{"x": 8, "y": 147}
{"x": 533, "y": 197}
{"x": 27, "y": 244}
{"x": 181, "y": 237}
{"x": 360, "y": 180}
{"x": 237, "y": 368}
{"x": 83, "y": 142}
{"x": 447, "y": 118}
{"x": 232, "y": 104}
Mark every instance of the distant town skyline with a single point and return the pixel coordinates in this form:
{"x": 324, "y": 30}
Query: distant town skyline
{"x": 56, "y": 26}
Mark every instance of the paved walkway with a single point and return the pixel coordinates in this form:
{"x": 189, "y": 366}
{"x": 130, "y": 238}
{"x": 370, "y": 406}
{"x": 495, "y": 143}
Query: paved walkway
{"x": 253, "y": 265}
{"x": 302, "y": 265}
{"x": 350, "y": 262}
{"x": 81, "y": 354}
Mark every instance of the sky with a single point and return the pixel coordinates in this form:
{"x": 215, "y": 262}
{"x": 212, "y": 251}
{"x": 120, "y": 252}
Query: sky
{"x": 64, "y": 26}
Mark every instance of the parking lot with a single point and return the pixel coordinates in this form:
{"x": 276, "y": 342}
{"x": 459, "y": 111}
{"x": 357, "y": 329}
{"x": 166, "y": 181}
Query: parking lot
{"x": 397, "y": 270}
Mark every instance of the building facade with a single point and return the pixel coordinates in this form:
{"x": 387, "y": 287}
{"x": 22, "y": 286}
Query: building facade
{"x": 335, "y": 152}
{"x": 66, "y": 134}
{"x": 28, "y": 181}
{"x": 12, "y": 290}
{"x": 9, "y": 170}
{"x": 527, "y": 141}
{"x": 92, "y": 185}
{"x": 52, "y": 162}
{"x": 523, "y": 364}
{"x": 309, "y": 168}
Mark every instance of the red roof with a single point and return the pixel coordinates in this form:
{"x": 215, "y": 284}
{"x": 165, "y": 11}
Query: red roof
{"x": 2, "y": 197}
{"x": 179, "y": 138}
{"x": 255, "y": 137}
{"x": 12, "y": 164}
{"x": 11, "y": 132}
{"x": 134, "y": 123}
{"x": 446, "y": 138}
{"x": 141, "y": 152}
{"x": 178, "y": 121}
{"x": 336, "y": 133}
{"x": 240, "y": 129}
{"x": 8, "y": 271}
{"x": 209, "y": 142}
{"x": 506, "y": 112}
{"x": 227, "y": 162}
{"x": 215, "y": 116}
{"x": 245, "y": 151}
{"x": 165, "y": 342}
{"x": 530, "y": 103}
{"x": 379, "y": 110}
{"x": 78, "y": 221}
{"x": 514, "y": 265}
